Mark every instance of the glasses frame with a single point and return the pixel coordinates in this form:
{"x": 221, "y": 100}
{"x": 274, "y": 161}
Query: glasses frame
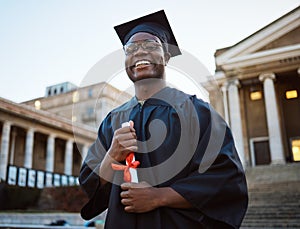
{"x": 141, "y": 44}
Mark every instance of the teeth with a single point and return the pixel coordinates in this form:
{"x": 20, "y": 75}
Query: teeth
{"x": 142, "y": 62}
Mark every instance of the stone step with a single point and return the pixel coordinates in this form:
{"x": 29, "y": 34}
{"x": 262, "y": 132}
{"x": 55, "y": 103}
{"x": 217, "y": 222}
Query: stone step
{"x": 41, "y": 220}
{"x": 262, "y": 208}
{"x": 73, "y": 219}
{"x": 274, "y": 197}
{"x": 271, "y": 223}
{"x": 271, "y": 217}
{"x": 269, "y": 174}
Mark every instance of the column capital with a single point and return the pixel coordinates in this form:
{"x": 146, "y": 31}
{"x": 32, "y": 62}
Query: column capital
{"x": 234, "y": 82}
{"x": 7, "y": 123}
{"x": 30, "y": 129}
{"x": 52, "y": 136}
{"x": 224, "y": 86}
{"x": 262, "y": 77}
{"x": 70, "y": 140}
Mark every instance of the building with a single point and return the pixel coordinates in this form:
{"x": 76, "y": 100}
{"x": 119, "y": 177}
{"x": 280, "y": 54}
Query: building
{"x": 38, "y": 148}
{"x": 260, "y": 81}
{"x": 60, "y": 89}
{"x": 43, "y": 141}
{"x": 88, "y": 105}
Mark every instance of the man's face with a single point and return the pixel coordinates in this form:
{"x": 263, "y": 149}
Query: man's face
{"x": 145, "y": 57}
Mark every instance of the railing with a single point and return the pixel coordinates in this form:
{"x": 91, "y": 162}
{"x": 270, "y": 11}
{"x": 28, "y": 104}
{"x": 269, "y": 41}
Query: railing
{"x": 25, "y": 177}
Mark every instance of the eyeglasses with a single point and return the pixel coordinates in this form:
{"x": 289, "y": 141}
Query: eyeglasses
{"x": 147, "y": 45}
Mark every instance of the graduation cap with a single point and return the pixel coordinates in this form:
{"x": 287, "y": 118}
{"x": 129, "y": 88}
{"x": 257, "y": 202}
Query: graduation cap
{"x": 157, "y": 24}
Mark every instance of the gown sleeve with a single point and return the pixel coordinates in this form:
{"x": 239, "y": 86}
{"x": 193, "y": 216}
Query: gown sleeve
{"x": 219, "y": 192}
{"x": 89, "y": 179}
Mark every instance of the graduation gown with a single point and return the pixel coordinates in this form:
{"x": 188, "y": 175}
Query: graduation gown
{"x": 183, "y": 144}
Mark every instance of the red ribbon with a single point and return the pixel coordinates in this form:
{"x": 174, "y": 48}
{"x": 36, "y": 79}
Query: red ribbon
{"x": 129, "y": 164}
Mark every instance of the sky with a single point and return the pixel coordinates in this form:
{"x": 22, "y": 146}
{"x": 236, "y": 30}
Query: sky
{"x": 47, "y": 42}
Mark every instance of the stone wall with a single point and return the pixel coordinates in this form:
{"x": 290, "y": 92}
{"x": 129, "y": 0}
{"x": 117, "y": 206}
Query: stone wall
{"x": 63, "y": 199}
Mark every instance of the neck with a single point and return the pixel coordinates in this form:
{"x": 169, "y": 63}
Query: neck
{"x": 144, "y": 89}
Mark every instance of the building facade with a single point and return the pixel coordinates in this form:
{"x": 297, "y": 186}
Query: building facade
{"x": 38, "y": 148}
{"x": 260, "y": 82}
{"x": 88, "y": 105}
{"x": 43, "y": 141}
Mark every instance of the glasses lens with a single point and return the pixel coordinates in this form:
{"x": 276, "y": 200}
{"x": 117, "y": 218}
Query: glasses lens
{"x": 149, "y": 46}
{"x": 130, "y": 48}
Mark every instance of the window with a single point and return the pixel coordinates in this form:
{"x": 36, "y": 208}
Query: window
{"x": 75, "y": 97}
{"x": 292, "y": 94}
{"x": 255, "y": 92}
{"x": 296, "y": 149}
{"x": 74, "y": 118}
{"x": 37, "y": 104}
{"x": 90, "y": 93}
{"x": 90, "y": 111}
{"x": 255, "y": 95}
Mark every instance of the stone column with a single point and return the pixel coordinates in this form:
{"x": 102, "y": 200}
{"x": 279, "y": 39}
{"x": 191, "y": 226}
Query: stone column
{"x": 224, "y": 92}
{"x": 275, "y": 141}
{"x": 13, "y": 146}
{"x": 84, "y": 152}
{"x": 50, "y": 153}
{"x": 4, "y": 149}
{"x": 101, "y": 112}
{"x": 29, "y": 148}
{"x": 69, "y": 157}
{"x": 235, "y": 117}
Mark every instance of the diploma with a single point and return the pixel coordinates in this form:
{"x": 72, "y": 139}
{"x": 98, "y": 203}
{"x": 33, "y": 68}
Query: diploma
{"x": 130, "y": 160}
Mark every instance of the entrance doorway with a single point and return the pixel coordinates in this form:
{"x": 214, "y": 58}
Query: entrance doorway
{"x": 260, "y": 151}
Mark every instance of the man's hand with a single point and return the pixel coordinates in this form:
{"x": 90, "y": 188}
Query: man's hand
{"x": 123, "y": 142}
{"x": 139, "y": 197}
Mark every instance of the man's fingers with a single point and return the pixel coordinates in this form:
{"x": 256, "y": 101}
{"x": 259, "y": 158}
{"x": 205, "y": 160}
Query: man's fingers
{"x": 126, "y": 186}
{"x": 124, "y": 194}
{"x": 129, "y": 143}
{"x": 131, "y": 123}
{"x": 129, "y": 208}
{"x": 131, "y": 185}
{"x": 125, "y": 132}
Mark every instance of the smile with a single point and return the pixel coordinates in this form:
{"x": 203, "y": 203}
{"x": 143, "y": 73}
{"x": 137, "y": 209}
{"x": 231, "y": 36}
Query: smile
{"x": 142, "y": 63}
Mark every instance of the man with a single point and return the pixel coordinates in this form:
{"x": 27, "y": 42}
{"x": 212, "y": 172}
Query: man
{"x": 189, "y": 173}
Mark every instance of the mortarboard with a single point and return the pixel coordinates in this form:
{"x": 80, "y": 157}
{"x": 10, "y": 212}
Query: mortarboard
{"x": 156, "y": 24}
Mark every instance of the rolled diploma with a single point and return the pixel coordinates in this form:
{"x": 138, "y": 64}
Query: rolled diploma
{"x": 133, "y": 172}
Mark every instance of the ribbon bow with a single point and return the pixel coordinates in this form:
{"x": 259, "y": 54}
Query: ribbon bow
{"x": 130, "y": 163}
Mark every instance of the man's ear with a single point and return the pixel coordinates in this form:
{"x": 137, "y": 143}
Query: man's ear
{"x": 167, "y": 57}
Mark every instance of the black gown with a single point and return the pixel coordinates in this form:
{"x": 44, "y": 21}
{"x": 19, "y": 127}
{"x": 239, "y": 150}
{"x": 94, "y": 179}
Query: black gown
{"x": 183, "y": 144}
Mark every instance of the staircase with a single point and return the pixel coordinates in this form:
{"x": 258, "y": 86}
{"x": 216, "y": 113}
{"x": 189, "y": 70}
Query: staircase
{"x": 274, "y": 197}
